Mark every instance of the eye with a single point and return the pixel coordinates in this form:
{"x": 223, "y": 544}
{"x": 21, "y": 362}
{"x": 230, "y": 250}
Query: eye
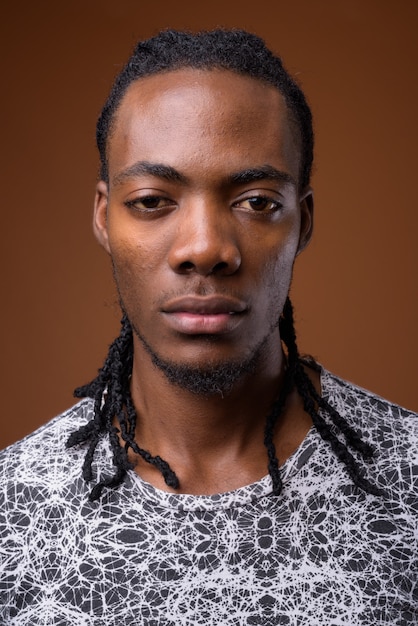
{"x": 149, "y": 203}
{"x": 260, "y": 204}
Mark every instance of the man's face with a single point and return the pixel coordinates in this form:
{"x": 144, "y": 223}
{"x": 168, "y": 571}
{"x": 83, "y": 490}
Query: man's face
{"x": 203, "y": 217}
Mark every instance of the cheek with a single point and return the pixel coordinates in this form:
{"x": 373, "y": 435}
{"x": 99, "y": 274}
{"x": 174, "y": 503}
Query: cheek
{"x": 273, "y": 282}
{"x": 132, "y": 263}
{"x": 131, "y": 245}
{"x": 275, "y": 253}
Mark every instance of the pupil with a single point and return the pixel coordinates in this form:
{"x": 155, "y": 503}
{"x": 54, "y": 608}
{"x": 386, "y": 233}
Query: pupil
{"x": 258, "y": 203}
{"x": 151, "y": 202}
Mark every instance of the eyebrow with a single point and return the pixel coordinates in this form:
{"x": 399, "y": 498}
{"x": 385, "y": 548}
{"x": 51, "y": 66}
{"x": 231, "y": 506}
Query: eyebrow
{"x": 170, "y": 174}
{"x": 159, "y": 170}
{"x": 264, "y": 172}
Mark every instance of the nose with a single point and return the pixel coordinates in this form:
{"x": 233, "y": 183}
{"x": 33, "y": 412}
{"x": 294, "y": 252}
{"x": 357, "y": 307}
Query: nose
{"x": 205, "y": 242}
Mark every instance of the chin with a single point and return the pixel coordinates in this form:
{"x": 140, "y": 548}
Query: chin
{"x": 215, "y": 380}
{"x": 206, "y": 377}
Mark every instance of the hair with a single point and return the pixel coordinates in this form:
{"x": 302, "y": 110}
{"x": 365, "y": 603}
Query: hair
{"x": 234, "y": 50}
{"x": 246, "y": 54}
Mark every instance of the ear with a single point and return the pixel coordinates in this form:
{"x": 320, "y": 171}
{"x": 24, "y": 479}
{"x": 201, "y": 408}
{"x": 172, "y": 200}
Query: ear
{"x": 306, "y": 218}
{"x": 100, "y": 215}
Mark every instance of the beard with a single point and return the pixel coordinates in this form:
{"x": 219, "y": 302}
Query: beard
{"x": 213, "y": 379}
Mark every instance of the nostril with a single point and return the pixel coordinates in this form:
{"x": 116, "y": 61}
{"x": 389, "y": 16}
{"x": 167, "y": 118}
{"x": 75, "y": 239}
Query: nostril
{"x": 186, "y": 266}
{"x": 219, "y": 267}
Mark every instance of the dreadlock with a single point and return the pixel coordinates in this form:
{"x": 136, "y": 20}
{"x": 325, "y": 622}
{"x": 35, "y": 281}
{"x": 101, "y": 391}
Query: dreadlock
{"x": 112, "y": 399}
{"x": 296, "y": 377}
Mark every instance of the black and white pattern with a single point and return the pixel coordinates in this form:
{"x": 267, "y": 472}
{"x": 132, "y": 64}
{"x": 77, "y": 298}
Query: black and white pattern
{"x": 322, "y": 554}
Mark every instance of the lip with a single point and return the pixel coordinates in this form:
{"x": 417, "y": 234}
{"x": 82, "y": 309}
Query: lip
{"x": 205, "y": 305}
{"x": 214, "y": 314}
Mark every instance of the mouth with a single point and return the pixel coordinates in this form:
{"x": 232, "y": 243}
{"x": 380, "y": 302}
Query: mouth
{"x": 196, "y": 315}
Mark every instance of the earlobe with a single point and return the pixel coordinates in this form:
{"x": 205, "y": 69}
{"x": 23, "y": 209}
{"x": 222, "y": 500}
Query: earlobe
{"x": 306, "y": 219}
{"x": 100, "y": 215}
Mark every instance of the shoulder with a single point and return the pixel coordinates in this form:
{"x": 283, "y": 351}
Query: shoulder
{"x": 39, "y": 471}
{"x": 367, "y": 410}
{"x": 391, "y": 430}
{"x": 42, "y": 458}
{"x": 41, "y": 494}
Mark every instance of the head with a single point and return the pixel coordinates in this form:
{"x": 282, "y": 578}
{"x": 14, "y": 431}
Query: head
{"x": 198, "y": 126}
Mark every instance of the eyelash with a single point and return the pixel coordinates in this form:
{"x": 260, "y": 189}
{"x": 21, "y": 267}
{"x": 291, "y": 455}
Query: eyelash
{"x": 131, "y": 204}
{"x": 275, "y": 204}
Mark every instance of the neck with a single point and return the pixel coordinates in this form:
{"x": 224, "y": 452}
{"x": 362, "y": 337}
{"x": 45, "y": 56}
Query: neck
{"x": 214, "y": 442}
{"x": 183, "y": 420}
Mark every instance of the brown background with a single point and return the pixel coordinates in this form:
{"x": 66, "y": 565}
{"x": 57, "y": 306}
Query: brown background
{"x": 354, "y": 289}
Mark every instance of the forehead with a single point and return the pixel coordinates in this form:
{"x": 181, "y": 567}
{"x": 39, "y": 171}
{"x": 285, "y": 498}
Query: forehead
{"x": 210, "y": 115}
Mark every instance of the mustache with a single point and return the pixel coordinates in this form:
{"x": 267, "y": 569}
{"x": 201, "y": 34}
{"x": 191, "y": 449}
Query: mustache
{"x": 199, "y": 290}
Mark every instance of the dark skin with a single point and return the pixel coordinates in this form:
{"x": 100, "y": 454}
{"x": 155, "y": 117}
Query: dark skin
{"x": 203, "y": 218}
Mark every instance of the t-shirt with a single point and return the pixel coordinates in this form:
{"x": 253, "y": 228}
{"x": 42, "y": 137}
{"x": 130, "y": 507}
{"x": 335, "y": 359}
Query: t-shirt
{"x": 322, "y": 553}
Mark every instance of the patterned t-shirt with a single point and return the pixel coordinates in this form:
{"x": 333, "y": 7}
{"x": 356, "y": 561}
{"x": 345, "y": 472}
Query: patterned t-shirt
{"x": 323, "y": 553}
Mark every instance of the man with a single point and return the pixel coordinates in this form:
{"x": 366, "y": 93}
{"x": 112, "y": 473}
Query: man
{"x": 148, "y": 502}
